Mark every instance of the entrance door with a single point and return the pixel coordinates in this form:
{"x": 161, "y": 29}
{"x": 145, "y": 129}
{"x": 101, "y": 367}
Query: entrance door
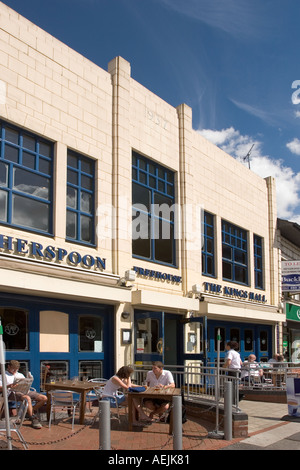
{"x": 158, "y": 337}
{"x": 149, "y": 336}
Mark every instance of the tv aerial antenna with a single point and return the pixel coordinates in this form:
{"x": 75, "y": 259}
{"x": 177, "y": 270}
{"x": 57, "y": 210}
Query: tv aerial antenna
{"x": 247, "y": 157}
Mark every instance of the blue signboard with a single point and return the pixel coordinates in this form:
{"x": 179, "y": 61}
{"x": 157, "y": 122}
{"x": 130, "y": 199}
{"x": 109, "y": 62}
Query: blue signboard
{"x": 290, "y": 276}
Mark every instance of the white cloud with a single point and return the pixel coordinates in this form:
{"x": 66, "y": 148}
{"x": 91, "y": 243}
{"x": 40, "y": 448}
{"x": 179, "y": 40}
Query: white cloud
{"x": 294, "y": 146}
{"x": 239, "y": 18}
{"x": 266, "y": 116}
{"x": 287, "y": 181}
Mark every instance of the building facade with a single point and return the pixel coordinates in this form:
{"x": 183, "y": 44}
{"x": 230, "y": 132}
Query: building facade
{"x": 126, "y": 236}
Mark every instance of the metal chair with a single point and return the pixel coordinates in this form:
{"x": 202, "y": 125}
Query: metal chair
{"x": 112, "y": 398}
{"x": 61, "y": 399}
{"x": 99, "y": 380}
{"x": 91, "y": 396}
{"x": 16, "y": 422}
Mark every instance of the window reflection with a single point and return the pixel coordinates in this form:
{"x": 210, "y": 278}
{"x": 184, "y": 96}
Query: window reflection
{"x": 30, "y": 213}
{"x": 27, "y": 200}
{"x": 31, "y": 183}
{"x": 80, "y": 198}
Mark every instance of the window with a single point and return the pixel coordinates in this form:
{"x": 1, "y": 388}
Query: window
{"x": 15, "y": 329}
{"x": 248, "y": 335}
{"x": 234, "y": 253}
{"x": 90, "y": 370}
{"x": 235, "y": 335}
{"x": 90, "y": 334}
{"x": 26, "y": 163}
{"x": 80, "y": 198}
{"x": 258, "y": 262}
{"x": 53, "y": 371}
{"x": 263, "y": 340}
{"x": 208, "y": 257}
{"x": 153, "y": 211}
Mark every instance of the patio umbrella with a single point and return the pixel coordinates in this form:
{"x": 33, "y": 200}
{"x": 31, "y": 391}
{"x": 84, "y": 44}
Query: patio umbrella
{"x": 4, "y": 388}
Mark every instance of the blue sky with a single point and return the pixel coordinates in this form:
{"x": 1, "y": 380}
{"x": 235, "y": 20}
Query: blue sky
{"x": 235, "y": 62}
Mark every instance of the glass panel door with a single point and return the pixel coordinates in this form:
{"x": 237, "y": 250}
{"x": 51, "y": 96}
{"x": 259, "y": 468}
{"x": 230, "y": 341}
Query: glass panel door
{"x": 149, "y": 334}
{"x": 194, "y": 337}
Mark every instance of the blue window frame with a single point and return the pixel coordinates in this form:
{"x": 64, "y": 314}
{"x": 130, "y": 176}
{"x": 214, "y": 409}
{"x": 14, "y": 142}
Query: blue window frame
{"x": 153, "y": 211}
{"x": 234, "y": 253}
{"x": 258, "y": 262}
{"x": 208, "y": 245}
{"x": 26, "y": 179}
{"x": 80, "y": 199}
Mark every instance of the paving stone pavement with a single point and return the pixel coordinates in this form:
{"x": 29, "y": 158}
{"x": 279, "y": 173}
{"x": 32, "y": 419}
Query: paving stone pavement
{"x": 269, "y": 428}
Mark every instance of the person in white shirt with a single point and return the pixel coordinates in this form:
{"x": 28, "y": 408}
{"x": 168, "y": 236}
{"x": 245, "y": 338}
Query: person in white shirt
{"x": 122, "y": 380}
{"x": 233, "y": 360}
{"x": 40, "y": 400}
{"x": 158, "y": 377}
{"x": 251, "y": 370}
{"x": 233, "y": 363}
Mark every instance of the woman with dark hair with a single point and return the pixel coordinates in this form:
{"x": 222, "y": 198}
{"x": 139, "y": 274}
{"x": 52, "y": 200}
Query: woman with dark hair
{"x": 122, "y": 380}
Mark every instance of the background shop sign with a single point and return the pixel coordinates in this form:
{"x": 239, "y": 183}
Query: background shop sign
{"x": 293, "y": 312}
{"x": 290, "y": 271}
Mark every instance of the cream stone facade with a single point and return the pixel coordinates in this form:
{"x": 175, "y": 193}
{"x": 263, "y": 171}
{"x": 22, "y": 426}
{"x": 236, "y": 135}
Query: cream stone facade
{"x": 51, "y": 92}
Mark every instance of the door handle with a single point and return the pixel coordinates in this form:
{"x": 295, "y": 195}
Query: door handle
{"x": 159, "y": 346}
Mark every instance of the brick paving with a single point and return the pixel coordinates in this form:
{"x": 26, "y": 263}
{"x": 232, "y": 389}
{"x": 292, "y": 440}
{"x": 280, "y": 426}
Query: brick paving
{"x": 86, "y": 437}
{"x": 262, "y": 416}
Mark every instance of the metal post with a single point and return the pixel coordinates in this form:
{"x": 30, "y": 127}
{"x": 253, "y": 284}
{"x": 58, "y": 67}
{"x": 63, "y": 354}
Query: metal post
{"x": 177, "y": 423}
{"x": 104, "y": 425}
{"x": 228, "y": 410}
{"x": 5, "y": 398}
{"x": 217, "y": 391}
{"x": 217, "y": 434}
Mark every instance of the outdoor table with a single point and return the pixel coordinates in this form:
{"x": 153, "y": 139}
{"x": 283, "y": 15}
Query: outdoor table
{"x": 80, "y": 387}
{"x": 278, "y": 377}
{"x": 152, "y": 393}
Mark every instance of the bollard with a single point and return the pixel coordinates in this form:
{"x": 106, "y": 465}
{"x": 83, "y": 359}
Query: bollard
{"x": 104, "y": 425}
{"x": 177, "y": 423}
{"x": 228, "y": 410}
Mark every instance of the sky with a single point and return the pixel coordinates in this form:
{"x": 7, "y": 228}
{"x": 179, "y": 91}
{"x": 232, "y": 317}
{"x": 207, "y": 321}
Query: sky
{"x": 234, "y": 62}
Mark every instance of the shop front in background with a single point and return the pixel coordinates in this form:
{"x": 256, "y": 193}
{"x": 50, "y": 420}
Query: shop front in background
{"x": 57, "y": 339}
{"x": 291, "y": 333}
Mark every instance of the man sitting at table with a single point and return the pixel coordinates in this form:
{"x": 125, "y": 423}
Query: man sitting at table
{"x": 251, "y": 371}
{"x": 158, "y": 378}
{"x": 11, "y": 374}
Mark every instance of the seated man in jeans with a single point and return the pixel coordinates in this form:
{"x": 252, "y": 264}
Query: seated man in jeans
{"x": 11, "y": 374}
{"x": 158, "y": 377}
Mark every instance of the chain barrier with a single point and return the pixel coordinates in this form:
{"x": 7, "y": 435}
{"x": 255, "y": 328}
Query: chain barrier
{"x": 56, "y": 441}
{"x": 91, "y": 423}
